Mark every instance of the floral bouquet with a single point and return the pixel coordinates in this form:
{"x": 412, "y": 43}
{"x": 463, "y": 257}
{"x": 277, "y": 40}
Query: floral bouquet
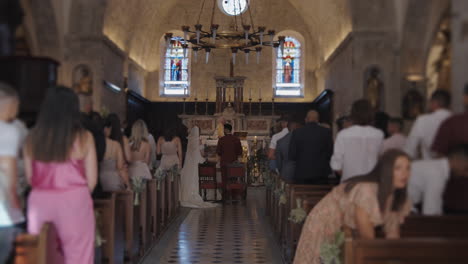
{"x": 174, "y": 171}
{"x": 138, "y": 185}
{"x": 160, "y": 175}
{"x": 330, "y": 253}
{"x": 282, "y": 198}
{"x": 298, "y": 215}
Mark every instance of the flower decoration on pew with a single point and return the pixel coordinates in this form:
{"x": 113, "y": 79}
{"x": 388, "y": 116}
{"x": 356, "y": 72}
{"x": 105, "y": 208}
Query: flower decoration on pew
{"x": 297, "y": 215}
{"x": 160, "y": 175}
{"x": 282, "y": 198}
{"x": 174, "y": 171}
{"x": 330, "y": 252}
{"x": 98, "y": 239}
{"x": 138, "y": 185}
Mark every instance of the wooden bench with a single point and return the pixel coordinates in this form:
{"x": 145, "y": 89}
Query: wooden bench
{"x": 310, "y": 196}
{"x": 406, "y": 251}
{"x": 38, "y": 249}
{"x": 106, "y": 226}
{"x": 449, "y": 226}
{"x": 124, "y": 204}
{"x": 152, "y": 209}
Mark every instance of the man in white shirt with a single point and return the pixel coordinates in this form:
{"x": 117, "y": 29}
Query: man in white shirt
{"x": 396, "y": 140}
{"x": 274, "y": 141}
{"x": 426, "y": 126}
{"x": 357, "y": 148}
{"x": 429, "y": 178}
{"x": 10, "y": 140}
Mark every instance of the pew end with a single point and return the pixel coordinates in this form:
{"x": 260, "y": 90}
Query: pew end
{"x": 38, "y": 249}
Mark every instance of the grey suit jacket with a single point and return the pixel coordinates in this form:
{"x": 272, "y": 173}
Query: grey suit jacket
{"x": 285, "y": 165}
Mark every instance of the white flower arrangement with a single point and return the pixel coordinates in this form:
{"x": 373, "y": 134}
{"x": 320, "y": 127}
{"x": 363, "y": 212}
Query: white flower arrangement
{"x": 98, "y": 239}
{"x": 297, "y": 215}
{"x": 330, "y": 253}
{"x": 138, "y": 185}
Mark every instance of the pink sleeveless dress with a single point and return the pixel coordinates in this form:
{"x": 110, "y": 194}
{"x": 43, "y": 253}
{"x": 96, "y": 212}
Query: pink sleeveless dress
{"x": 60, "y": 195}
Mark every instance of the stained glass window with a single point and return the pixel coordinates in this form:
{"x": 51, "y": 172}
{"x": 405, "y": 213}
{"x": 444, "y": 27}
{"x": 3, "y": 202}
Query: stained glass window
{"x": 288, "y": 69}
{"x": 233, "y": 7}
{"x": 176, "y": 70}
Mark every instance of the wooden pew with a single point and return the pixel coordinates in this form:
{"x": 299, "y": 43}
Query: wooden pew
{"x": 162, "y": 205}
{"x": 152, "y": 209}
{"x": 106, "y": 226}
{"x": 124, "y": 203}
{"x": 310, "y": 196}
{"x": 406, "y": 251}
{"x": 38, "y": 249}
{"x": 448, "y": 226}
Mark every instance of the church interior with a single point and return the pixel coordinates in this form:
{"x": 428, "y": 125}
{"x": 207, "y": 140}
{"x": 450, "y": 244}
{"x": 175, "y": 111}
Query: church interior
{"x": 238, "y": 131}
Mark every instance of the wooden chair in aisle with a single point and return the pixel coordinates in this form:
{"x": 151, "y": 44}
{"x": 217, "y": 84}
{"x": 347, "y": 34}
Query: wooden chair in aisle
{"x": 235, "y": 181}
{"x": 38, "y": 249}
{"x": 207, "y": 179}
{"x": 106, "y": 226}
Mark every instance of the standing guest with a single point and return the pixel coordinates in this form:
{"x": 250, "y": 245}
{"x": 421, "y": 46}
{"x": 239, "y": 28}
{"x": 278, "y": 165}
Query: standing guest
{"x": 86, "y": 108}
{"x": 117, "y": 135}
{"x": 357, "y": 148}
{"x": 429, "y": 179}
{"x": 396, "y": 140}
{"x": 311, "y": 148}
{"x": 113, "y": 174}
{"x": 285, "y": 165}
{"x": 140, "y": 151}
{"x": 61, "y": 166}
{"x": 425, "y": 127}
{"x": 152, "y": 143}
{"x": 274, "y": 140}
{"x": 378, "y": 198}
{"x": 343, "y": 122}
{"x": 453, "y": 131}
{"x": 10, "y": 144}
{"x": 229, "y": 149}
{"x": 170, "y": 146}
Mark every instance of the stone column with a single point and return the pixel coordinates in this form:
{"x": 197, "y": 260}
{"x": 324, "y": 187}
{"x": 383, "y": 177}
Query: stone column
{"x": 219, "y": 95}
{"x": 459, "y": 23}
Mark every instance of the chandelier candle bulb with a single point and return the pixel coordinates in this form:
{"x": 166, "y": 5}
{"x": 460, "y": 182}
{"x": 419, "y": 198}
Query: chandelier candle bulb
{"x": 259, "y": 53}
{"x": 207, "y": 55}
{"x": 234, "y": 53}
{"x": 247, "y": 56}
{"x": 195, "y": 54}
{"x": 185, "y": 29}
{"x": 198, "y": 28}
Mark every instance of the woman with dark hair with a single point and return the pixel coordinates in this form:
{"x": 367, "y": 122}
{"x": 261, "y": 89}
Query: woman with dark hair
{"x": 116, "y": 134}
{"x": 61, "y": 166}
{"x": 170, "y": 146}
{"x": 113, "y": 174}
{"x": 362, "y": 203}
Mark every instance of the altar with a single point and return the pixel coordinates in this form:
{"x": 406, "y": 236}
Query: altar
{"x": 255, "y": 129}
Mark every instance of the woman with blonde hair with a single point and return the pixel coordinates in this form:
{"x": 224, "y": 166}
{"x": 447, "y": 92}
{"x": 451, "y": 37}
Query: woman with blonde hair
{"x": 140, "y": 151}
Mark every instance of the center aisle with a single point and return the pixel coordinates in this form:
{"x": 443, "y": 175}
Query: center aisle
{"x": 236, "y": 233}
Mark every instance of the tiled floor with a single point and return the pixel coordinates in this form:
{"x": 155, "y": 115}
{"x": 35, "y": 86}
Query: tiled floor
{"x": 234, "y": 233}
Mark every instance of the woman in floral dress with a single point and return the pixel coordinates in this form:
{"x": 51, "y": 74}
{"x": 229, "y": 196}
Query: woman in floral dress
{"x": 362, "y": 203}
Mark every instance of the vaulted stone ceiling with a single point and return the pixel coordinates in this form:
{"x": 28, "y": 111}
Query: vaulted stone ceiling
{"x": 138, "y": 27}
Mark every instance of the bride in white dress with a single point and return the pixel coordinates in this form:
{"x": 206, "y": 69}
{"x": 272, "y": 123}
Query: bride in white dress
{"x": 189, "y": 193}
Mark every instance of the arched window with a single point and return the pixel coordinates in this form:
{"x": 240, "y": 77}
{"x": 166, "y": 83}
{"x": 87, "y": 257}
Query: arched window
{"x": 288, "y": 76}
{"x": 176, "y": 70}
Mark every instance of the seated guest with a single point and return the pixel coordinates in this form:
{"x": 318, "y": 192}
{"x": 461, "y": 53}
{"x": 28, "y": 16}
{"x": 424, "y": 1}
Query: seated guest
{"x": 10, "y": 144}
{"x": 429, "y": 179}
{"x": 285, "y": 165}
{"x": 311, "y": 147}
{"x": 453, "y": 131}
{"x": 396, "y": 140}
{"x": 361, "y": 203}
{"x": 229, "y": 149}
{"x": 140, "y": 151}
{"x": 274, "y": 140}
{"x": 61, "y": 166}
{"x": 113, "y": 174}
{"x": 357, "y": 147}
{"x": 425, "y": 127}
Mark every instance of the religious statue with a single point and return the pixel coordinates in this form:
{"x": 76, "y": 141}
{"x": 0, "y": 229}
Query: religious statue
{"x": 82, "y": 80}
{"x": 219, "y": 131}
{"x": 374, "y": 89}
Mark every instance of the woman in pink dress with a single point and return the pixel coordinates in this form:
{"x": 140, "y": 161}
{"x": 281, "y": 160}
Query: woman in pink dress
{"x": 61, "y": 166}
{"x": 361, "y": 203}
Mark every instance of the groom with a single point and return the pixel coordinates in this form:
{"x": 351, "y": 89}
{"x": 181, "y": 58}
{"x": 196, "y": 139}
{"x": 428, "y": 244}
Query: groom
{"x": 229, "y": 149}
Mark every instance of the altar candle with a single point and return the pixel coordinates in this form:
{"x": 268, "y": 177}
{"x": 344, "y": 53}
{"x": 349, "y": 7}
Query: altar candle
{"x": 207, "y": 92}
{"x": 195, "y": 92}
{"x": 260, "y": 93}
{"x": 250, "y": 93}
